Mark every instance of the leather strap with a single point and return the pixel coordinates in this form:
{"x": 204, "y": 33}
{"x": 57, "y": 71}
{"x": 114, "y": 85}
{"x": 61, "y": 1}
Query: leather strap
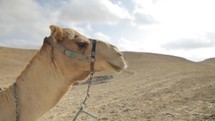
{"x": 73, "y": 54}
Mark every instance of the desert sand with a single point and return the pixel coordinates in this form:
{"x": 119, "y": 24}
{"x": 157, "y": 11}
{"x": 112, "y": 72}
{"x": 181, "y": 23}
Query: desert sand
{"x": 154, "y": 87}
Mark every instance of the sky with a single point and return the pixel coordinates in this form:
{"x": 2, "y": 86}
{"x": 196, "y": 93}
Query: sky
{"x": 184, "y": 28}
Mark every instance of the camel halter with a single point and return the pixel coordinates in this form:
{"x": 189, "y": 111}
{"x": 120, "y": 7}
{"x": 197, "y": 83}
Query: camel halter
{"x": 71, "y": 54}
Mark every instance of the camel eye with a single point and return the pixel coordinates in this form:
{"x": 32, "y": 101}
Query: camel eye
{"x": 82, "y": 45}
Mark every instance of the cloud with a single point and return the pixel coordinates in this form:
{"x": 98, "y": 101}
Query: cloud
{"x": 143, "y": 19}
{"x": 23, "y": 20}
{"x": 103, "y": 37}
{"x": 142, "y": 12}
{"x": 126, "y": 44}
{"x": 176, "y": 13}
{"x": 188, "y": 44}
{"x": 91, "y": 11}
{"x": 29, "y": 20}
{"x": 192, "y": 43}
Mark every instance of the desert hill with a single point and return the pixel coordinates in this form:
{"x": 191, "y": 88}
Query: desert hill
{"x": 210, "y": 61}
{"x": 12, "y": 62}
{"x": 155, "y": 87}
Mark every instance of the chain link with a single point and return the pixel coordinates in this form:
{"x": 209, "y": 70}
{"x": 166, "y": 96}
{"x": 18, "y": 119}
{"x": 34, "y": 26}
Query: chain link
{"x": 88, "y": 88}
{"x": 83, "y": 104}
{"x": 14, "y": 87}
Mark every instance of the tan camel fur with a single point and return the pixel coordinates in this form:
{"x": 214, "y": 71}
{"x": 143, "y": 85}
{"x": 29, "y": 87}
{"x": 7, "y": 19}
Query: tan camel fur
{"x": 50, "y": 74}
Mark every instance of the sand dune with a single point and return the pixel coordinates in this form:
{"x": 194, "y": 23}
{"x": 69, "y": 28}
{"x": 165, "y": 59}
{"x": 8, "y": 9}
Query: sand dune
{"x": 155, "y": 87}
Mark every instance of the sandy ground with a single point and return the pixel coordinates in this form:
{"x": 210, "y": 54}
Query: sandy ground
{"x": 153, "y": 88}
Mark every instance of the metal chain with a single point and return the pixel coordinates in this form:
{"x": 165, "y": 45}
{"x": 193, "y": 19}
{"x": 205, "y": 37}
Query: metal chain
{"x": 88, "y": 88}
{"x": 83, "y": 104}
{"x": 14, "y": 87}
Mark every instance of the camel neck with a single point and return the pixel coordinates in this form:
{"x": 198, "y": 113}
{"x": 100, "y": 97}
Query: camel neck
{"x": 39, "y": 87}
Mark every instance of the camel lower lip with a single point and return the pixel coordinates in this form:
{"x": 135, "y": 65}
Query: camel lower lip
{"x": 116, "y": 68}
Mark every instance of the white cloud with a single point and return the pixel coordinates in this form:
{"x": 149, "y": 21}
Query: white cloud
{"x": 203, "y": 40}
{"x": 91, "y": 11}
{"x": 177, "y": 24}
{"x": 142, "y": 19}
{"x": 24, "y": 20}
{"x": 125, "y": 44}
{"x": 189, "y": 15}
{"x": 130, "y": 44}
{"x": 103, "y": 37}
{"x": 188, "y": 44}
{"x": 142, "y": 12}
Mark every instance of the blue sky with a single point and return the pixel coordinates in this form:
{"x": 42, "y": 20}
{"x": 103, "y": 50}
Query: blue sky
{"x": 184, "y": 28}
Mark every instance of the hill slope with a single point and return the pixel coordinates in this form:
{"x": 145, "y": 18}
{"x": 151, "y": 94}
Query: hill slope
{"x": 12, "y": 62}
{"x": 154, "y": 88}
{"x": 210, "y": 61}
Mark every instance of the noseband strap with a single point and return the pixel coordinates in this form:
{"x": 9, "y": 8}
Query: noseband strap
{"x": 93, "y": 55}
{"x": 71, "y": 53}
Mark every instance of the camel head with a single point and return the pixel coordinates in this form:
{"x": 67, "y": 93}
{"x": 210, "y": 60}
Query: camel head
{"x": 108, "y": 57}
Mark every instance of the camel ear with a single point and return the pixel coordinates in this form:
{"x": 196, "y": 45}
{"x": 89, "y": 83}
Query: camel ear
{"x": 56, "y": 32}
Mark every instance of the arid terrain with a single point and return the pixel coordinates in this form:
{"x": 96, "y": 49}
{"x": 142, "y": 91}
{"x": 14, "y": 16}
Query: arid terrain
{"x": 154, "y": 87}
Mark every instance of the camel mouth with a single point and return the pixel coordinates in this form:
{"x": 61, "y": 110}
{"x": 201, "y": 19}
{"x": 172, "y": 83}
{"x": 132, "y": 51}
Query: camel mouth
{"x": 117, "y": 68}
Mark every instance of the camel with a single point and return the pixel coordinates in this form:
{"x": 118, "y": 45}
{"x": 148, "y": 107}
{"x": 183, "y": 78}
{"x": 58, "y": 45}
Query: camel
{"x": 51, "y": 74}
